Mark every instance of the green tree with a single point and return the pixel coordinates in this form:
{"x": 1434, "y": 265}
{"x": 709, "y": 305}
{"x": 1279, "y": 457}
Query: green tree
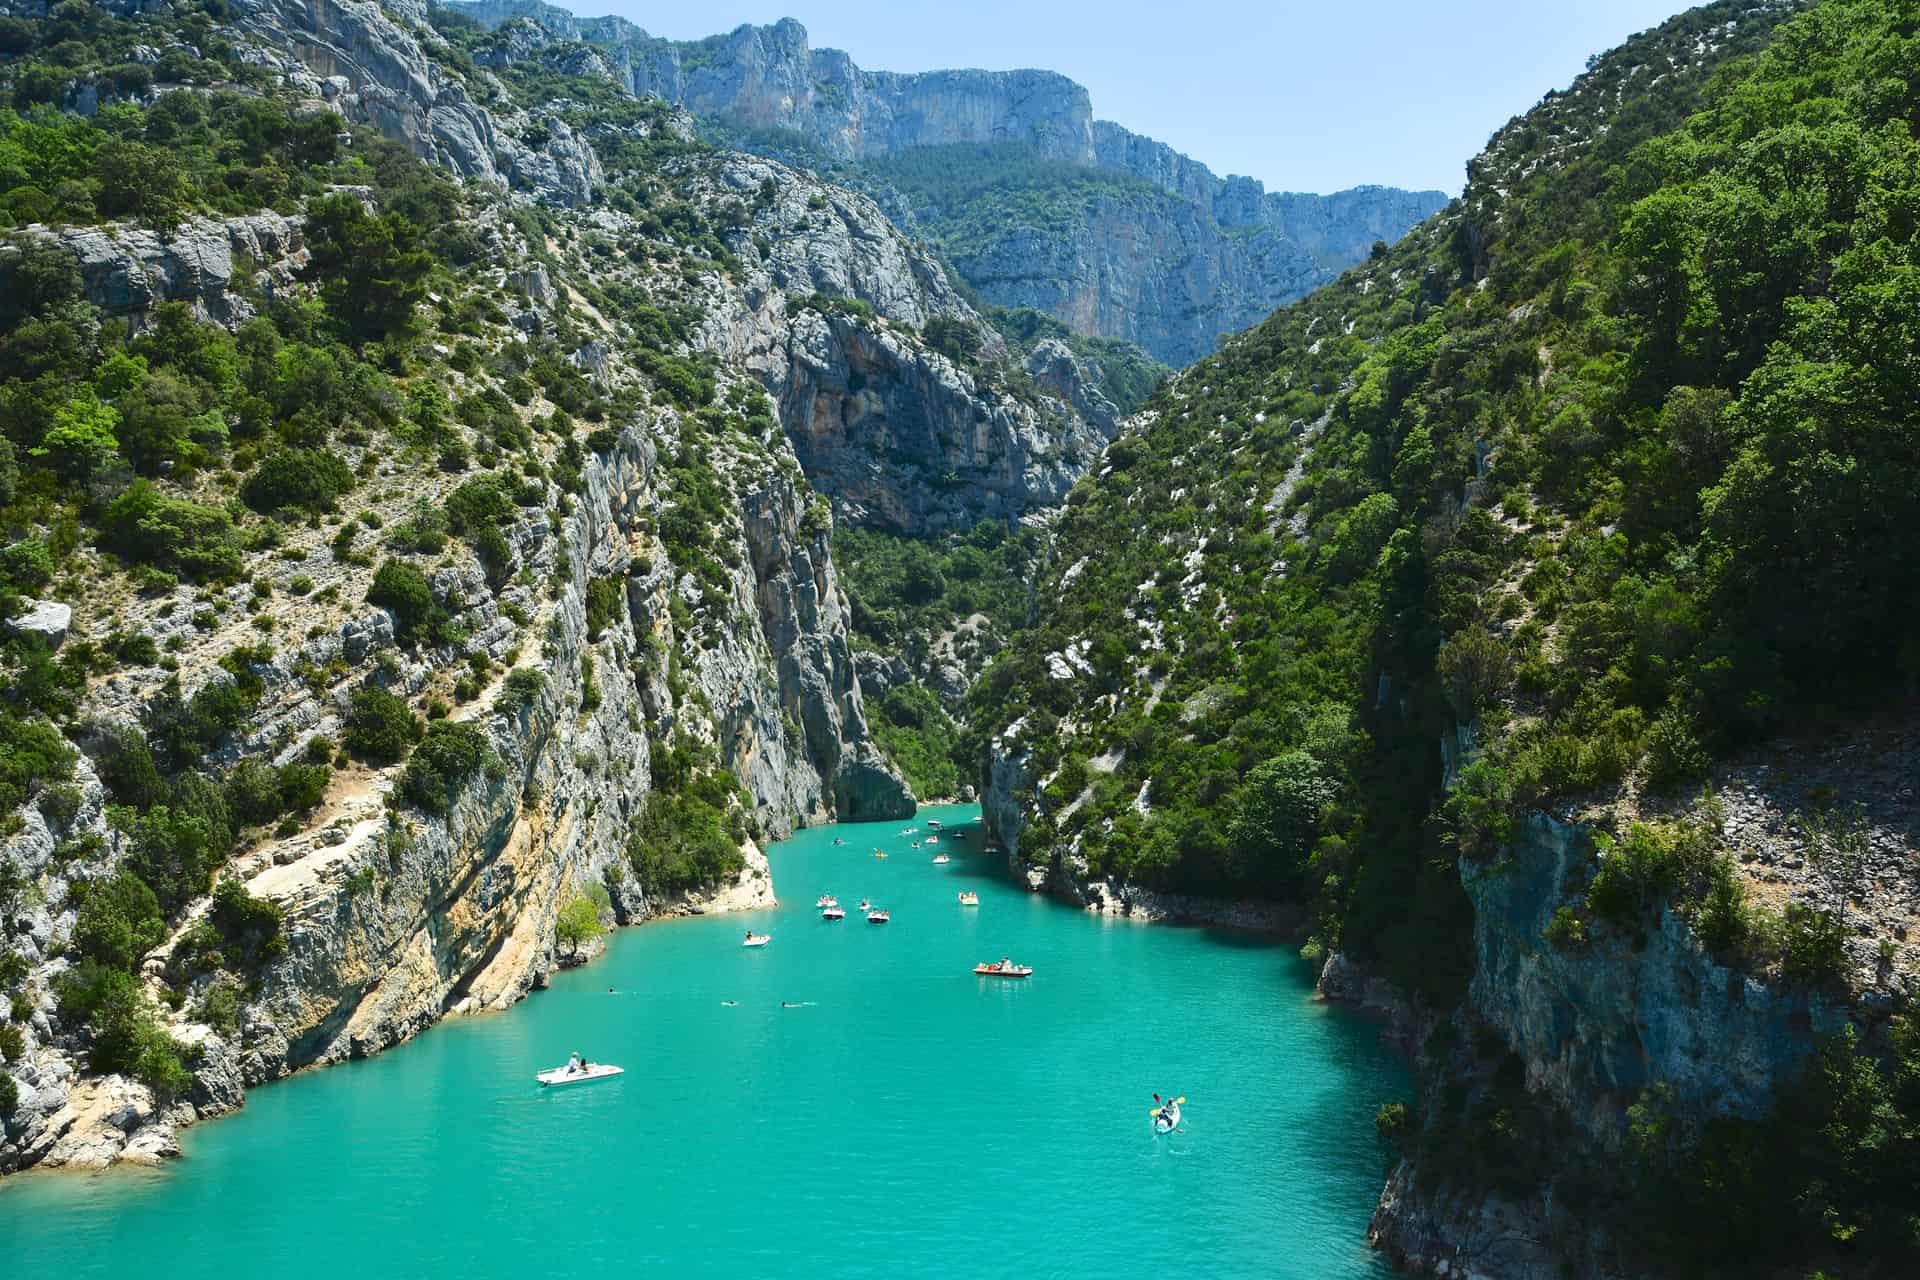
{"x": 381, "y": 728}
{"x": 371, "y": 270}
{"x": 81, "y": 440}
{"x": 141, "y": 180}
{"x": 578, "y": 924}
{"x": 1276, "y": 817}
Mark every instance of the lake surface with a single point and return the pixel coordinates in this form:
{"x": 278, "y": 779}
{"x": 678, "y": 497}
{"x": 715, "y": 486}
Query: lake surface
{"x": 909, "y": 1120}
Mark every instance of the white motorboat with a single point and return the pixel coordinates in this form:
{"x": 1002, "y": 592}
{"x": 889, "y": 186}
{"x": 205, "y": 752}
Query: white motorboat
{"x": 757, "y": 940}
{"x": 578, "y": 1075}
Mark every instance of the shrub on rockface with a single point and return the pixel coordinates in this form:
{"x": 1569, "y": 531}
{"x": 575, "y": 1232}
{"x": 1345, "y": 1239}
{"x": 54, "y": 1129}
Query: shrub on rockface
{"x": 309, "y": 479}
{"x": 448, "y": 756}
{"x": 404, "y": 591}
{"x": 380, "y": 726}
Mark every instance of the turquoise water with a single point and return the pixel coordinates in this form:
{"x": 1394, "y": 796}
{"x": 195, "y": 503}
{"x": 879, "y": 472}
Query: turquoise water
{"x": 910, "y": 1120}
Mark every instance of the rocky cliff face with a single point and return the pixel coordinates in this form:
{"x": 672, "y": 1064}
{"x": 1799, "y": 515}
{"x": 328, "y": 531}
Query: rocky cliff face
{"x": 370, "y": 61}
{"x": 1171, "y": 274}
{"x": 900, "y": 435}
{"x": 395, "y": 916}
{"x": 127, "y": 270}
{"x": 1595, "y": 1027}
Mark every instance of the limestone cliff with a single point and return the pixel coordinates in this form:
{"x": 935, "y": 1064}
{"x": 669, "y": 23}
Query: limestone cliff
{"x": 373, "y": 63}
{"x": 396, "y": 916}
{"x": 1209, "y": 256}
{"x": 831, "y": 307}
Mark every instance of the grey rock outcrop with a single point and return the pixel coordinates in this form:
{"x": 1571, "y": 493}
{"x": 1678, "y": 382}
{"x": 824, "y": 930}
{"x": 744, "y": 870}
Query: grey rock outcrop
{"x": 1597, "y": 1025}
{"x": 1594, "y": 1026}
{"x": 127, "y": 270}
{"x": 900, "y": 436}
{"x": 45, "y": 620}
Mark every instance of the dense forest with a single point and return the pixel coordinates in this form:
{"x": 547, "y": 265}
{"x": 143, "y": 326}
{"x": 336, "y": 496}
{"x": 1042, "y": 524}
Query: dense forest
{"x": 1600, "y": 475}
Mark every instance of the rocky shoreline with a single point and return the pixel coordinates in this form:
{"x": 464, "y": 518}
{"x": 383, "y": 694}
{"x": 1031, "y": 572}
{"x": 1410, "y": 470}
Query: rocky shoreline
{"x": 109, "y": 1121}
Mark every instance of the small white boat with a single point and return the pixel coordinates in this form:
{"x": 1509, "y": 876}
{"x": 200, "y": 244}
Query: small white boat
{"x": 934, "y": 823}
{"x": 940, "y": 858}
{"x": 877, "y": 917}
{"x": 566, "y": 1075}
{"x": 757, "y": 940}
{"x": 835, "y": 912}
{"x": 1168, "y": 1119}
{"x": 866, "y": 905}
{"x": 1004, "y": 969}
{"x": 827, "y": 900}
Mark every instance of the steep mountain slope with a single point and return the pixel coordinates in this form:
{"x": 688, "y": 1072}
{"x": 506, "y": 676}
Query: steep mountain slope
{"x": 1037, "y": 203}
{"x": 1433, "y": 600}
{"x": 394, "y": 565}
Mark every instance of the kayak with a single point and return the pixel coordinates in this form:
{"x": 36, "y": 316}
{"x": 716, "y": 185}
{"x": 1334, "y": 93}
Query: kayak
{"x": 1007, "y": 971}
{"x": 757, "y": 940}
{"x": 561, "y": 1076}
{"x": 1169, "y": 1122}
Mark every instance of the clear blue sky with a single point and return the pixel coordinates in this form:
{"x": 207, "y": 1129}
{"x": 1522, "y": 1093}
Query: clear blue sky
{"x": 1304, "y": 96}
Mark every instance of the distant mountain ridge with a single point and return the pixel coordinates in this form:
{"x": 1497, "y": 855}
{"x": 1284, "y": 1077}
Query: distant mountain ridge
{"x": 1167, "y": 276}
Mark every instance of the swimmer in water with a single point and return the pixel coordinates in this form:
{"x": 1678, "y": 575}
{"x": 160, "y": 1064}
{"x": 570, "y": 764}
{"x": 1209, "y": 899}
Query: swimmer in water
{"x": 729, "y": 1003}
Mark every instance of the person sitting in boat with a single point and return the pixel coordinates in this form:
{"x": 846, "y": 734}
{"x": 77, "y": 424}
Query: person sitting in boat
{"x": 573, "y": 1063}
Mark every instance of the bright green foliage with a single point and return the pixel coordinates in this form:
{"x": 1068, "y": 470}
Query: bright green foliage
{"x": 249, "y": 927}
{"x": 175, "y": 534}
{"x": 126, "y": 1035}
{"x": 606, "y": 599}
{"x": 1276, "y": 817}
{"x": 687, "y": 838}
{"x": 258, "y": 792}
{"x": 175, "y": 852}
{"x": 32, "y": 755}
{"x": 578, "y": 924}
{"x": 917, "y": 734}
{"x": 404, "y": 591}
{"x": 80, "y": 440}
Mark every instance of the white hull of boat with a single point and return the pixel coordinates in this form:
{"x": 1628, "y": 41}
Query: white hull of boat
{"x": 560, "y": 1076}
{"x": 1169, "y": 1124}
